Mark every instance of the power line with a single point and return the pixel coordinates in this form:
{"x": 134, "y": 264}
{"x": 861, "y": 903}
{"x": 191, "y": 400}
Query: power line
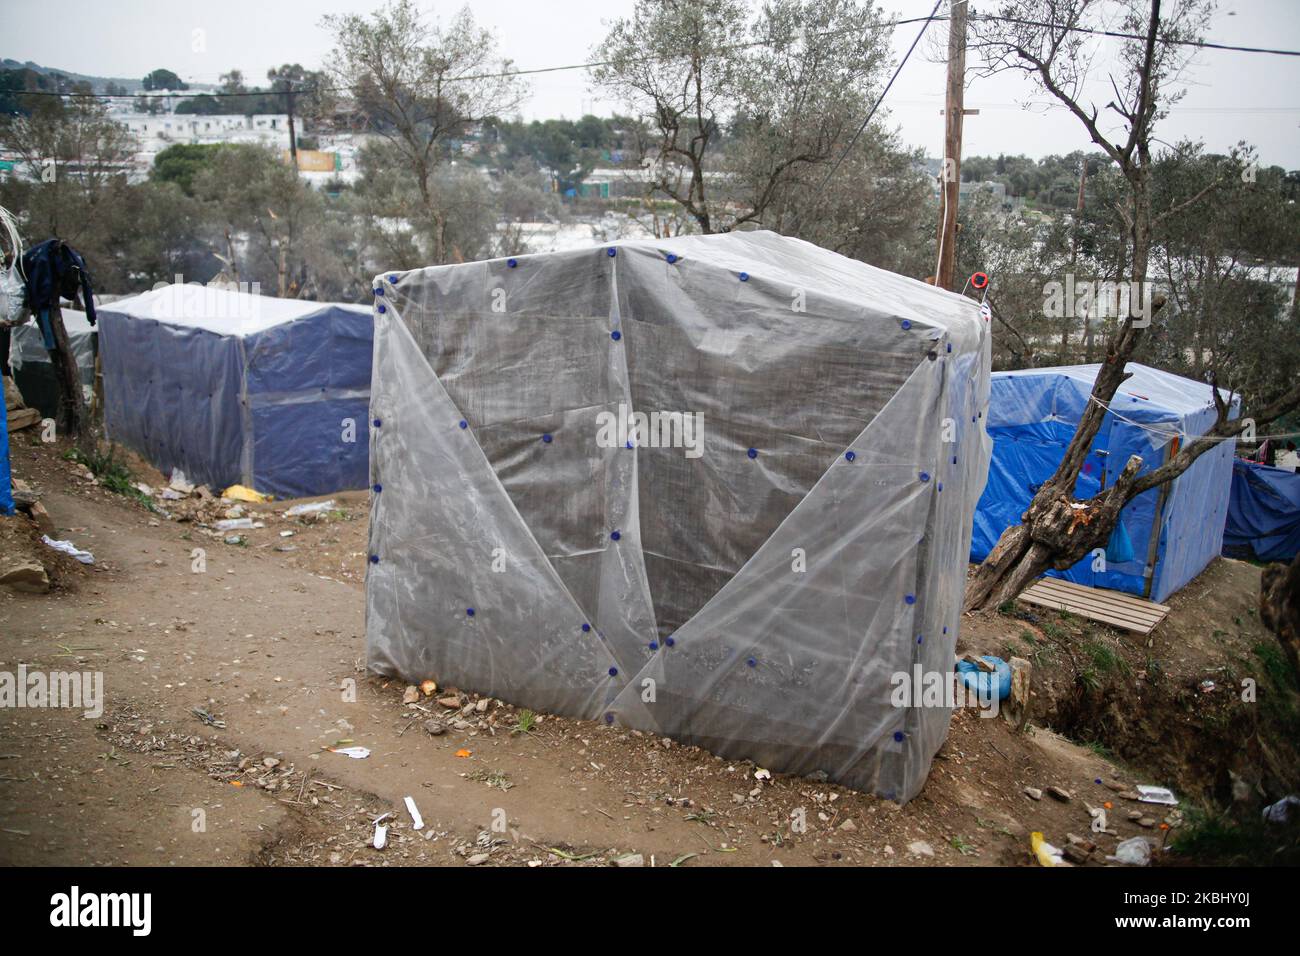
{"x": 504, "y": 74}
{"x": 1096, "y": 31}
{"x": 168, "y": 94}
{"x": 595, "y": 64}
{"x": 879, "y": 99}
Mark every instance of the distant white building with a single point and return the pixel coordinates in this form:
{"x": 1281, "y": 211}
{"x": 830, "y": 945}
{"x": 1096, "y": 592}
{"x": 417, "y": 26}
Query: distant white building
{"x": 155, "y": 132}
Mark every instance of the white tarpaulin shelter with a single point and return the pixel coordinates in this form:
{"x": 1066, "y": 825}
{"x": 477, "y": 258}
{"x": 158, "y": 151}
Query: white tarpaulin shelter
{"x": 750, "y": 575}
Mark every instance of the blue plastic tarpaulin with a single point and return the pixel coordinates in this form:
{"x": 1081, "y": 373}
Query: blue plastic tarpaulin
{"x": 1172, "y": 532}
{"x": 1263, "y": 513}
{"x": 232, "y": 387}
{"x": 6, "y": 495}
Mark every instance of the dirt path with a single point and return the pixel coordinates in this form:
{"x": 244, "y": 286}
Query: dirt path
{"x": 265, "y": 643}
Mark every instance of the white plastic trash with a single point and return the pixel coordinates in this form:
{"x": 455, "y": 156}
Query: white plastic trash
{"x": 67, "y": 547}
{"x": 1135, "y": 851}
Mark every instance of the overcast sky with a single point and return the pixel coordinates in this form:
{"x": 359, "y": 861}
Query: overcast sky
{"x": 1231, "y": 96}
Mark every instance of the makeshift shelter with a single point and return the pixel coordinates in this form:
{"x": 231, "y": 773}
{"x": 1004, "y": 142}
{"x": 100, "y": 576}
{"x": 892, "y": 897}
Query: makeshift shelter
{"x": 34, "y": 373}
{"x": 232, "y": 387}
{"x": 6, "y": 480}
{"x": 1263, "y": 513}
{"x": 1167, "y": 535}
{"x": 750, "y": 567}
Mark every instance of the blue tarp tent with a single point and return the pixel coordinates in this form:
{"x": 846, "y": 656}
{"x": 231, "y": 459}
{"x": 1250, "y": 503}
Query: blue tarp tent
{"x": 1169, "y": 534}
{"x": 6, "y": 496}
{"x": 232, "y": 387}
{"x": 1263, "y": 513}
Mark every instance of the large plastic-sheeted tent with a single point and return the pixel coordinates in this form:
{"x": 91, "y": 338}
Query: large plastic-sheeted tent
{"x": 1167, "y": 535}
{"x": 755, "y": 586}
{"x": 233, "y": 387}
{"x": 34, "y": 373}
{"x": 1263, "y": 513}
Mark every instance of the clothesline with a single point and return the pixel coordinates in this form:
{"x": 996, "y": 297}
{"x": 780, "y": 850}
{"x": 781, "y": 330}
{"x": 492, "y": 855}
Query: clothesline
{"x": 1178, "y": 433}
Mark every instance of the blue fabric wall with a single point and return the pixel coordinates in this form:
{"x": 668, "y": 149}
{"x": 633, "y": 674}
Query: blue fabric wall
{"x": 6, "y": 494}
{"x": 171, "y": 392}
{"x": 1263, "y": 513}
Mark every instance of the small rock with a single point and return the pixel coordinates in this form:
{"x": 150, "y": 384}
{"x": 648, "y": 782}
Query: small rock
{"x": 1076, "y": 853}
{"x": 1058, "y": 793}
{"x": 451, "y": 703}
{"x": 434, "y": 728}
{"x": 920, "y": 848}
{"x": 411, "y": 695}
{"x": 630, "y": 859}
{"x": 271, "y": 762}
{"x": 477, "y": 859}
{"x": 848, "y": 826}
{"x": 1147, "y": 822}
{"x": 26, "y": 576}
{"x": 482, "y": 706}
{"x": 1033, "y": 793}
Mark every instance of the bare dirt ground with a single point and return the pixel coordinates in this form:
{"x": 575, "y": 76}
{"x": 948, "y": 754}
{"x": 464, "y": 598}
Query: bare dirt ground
{"x": 225, "y": 685}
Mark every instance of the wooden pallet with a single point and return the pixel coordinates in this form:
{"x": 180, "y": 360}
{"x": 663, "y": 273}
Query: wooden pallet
{"x": 1097, "y": 604}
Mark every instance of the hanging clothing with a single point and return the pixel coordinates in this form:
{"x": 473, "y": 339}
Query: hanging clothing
{"x": 55, "y": 270}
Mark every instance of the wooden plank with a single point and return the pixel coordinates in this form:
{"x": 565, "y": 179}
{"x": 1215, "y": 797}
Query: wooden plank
{"x": 1106, "y": 607}
{"x": 1085, "y": 600}
{"x": 1101, "y": 595}
{"x": 1127, "y": 624}
{"x": 1143, "y": 622}
{"x": 1119, "y": 622}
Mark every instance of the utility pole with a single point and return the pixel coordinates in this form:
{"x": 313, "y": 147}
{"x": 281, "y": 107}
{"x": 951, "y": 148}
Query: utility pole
{"x": 950, "y": 174}
{"x": 1074, "y": 259}
{"x": 293, "y": 137}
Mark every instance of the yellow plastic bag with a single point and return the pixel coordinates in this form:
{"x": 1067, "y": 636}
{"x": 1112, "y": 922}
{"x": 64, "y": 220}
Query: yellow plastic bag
{"x": 241, "y": 493}
{"x": 1047, "y": 854}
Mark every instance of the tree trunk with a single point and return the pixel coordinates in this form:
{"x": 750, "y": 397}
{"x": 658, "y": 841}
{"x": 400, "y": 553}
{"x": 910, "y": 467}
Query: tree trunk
{"x": 1055, "y": 532}
{"x": 72, "y": 406}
